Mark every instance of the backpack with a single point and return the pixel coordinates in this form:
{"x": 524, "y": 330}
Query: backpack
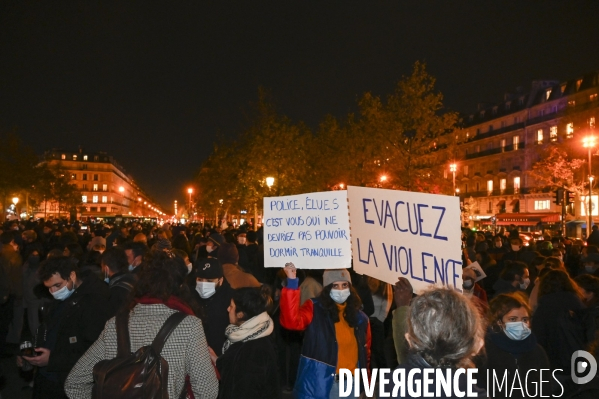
{"x": 143, "y": 374}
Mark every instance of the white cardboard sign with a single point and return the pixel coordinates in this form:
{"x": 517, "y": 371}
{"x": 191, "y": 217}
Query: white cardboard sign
{"x": 311, "y": 230}
{"x": 406, "y": 234}
{"x": 478, "y": 270}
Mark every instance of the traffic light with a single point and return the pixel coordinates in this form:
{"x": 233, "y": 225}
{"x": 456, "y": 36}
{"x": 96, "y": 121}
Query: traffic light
{"x": 570, "y": 197}
{"x": 559, "y": 196}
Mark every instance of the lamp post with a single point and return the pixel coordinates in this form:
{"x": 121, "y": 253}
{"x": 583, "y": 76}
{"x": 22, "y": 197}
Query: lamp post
{"x": 453, "y": 168}
{"x": 15, "y": 200}
{"x": 190, "y": 191}
{"x": 589, "y": 142}
{"x": 269, "y": 182}
{"x": 122, "y": 190}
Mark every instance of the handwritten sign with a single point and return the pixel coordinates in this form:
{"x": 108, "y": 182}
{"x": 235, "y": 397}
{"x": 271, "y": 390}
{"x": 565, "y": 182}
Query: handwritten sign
{"x": 310, "y": 230}
{"x": 406, "y": 234}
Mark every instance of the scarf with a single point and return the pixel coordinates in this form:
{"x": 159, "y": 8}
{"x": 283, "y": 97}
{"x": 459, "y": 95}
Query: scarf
{"x": 257, "y": 327}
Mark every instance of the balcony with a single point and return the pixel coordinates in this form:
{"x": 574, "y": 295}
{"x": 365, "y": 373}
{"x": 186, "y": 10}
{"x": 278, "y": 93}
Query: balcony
{"x": 497, "y": 132}
{"x": 499, "y": 150}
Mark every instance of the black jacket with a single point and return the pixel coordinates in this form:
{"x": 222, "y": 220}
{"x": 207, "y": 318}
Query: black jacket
{"x": 249, "y": 370}
{"x": 215, "y": 316}
{"x": 415, "y": 361}
{"x": 120, "y": 286}
{"x": 558, "y": 328}
{"x": 76, "y": 326}
{"x": 504, "y": 354}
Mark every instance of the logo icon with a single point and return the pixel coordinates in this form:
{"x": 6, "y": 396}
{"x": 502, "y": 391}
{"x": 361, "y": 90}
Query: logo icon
{"x": 580, "y": 367}
{"x": 206, "y": 266}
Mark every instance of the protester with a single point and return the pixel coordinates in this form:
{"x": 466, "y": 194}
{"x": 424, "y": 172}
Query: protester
{"x": 213, "y": 294}
{"x": 135, "y": 253}
{"x": 120, "y": 281}
{"x": 444, "y": 330}
{"x": 159, "y": 293}
{"x": 71, "y": 324}
{"x": 248, "y": 365}
{"x": 514, "y": 277}
{"x": 337, "y": 332}
{"x": 382, "y": 297}
{"x": 228, "y": 257}
{"x": 511, "y": 347}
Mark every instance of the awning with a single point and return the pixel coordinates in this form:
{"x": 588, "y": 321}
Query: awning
{"x": 501, "y": 203}
{"x": 514, "y": 202}
{"x": 527, "y": 219}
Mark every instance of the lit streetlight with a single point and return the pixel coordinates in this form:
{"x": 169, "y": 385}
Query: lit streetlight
{"x": 383, "y": 178}
{"x": 270, "y": 181}
{"x": 453, "y": 168}
{"x": 190, "y": 191}
{"x": 589, "y": 142}
{"x": 341, "y": 186}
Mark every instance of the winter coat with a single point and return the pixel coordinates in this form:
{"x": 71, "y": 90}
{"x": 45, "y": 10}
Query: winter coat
{"x": 318, "y": 360}
{"x": 249, "y": 370}
{"x": 120, "y": 286}
{"x": 76, "y": 325}
{"x": 558, "y": 328}
{"x": 12, "y": 262}
{"x": 504, "y": 354}
{"x": 215, "y": 315}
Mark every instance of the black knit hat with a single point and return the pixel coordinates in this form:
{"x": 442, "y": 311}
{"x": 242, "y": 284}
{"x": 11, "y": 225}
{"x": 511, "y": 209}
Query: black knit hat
{"x": 208, "y": 268}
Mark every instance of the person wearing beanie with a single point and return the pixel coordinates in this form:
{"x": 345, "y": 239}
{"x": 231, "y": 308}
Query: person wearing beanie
{"x": 228, "y": 257}
{"x": 213, "y": 294}
{"x": 337, "y": 332}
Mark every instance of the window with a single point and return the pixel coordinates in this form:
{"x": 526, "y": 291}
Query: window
{"x": 85, "y": 157}
{"x": 84, "y": 186}
{"x": 571, "y": 103}
{"x": 104, "y": 187}
{"x": 592, "y": 121}
{"x": 104, "y": 199}
{"x": 477, "y": 148}
{"x": 74, "y": 157}
{"x": 73, "y": 176}
{"x": 95, "y": 177}
{"x": 516, "y": 184}
{"x": 542, "y": 205}
{"x": 593, "y": 97}
{"x": 102, "y": 209}
{"x": 502, "y": 145}
{"x": 516, "y": 141}
{"x": 445, "y": 173}
{"x": 84, "y": 176}
{"x": 478, "y": 131}
{"x": 63, "y": 156}
{"x": 467, "y": 136}
{"x": 466, "y": 187}
{"x": 489, "y": 186}
{"x": 95, "y": 199}
{"x": 502, "y": 184}
{"x": 465, "y": 170}
{"x": 95, "y": 187}
{"x": 516, "y": 120}
{"x": 569, "y": 130}
{"x": 547, "y": 94}
{"x": 84, "y": 199}
{"x": 477, "y": 186}
{"x": 563, "y": 88}
{"x": 93, "y": 209}
{"x": 495, "y": 110}
{"x": 508, "y": 105}
{"x": 490, "y": 128}
{"x": 490, "y": 208}
{"x": 540, "y": 136}
{"x": 96, "y": 158}
{"x": 553, "y": 133}
{"x": 84, "y": 166}
{"x": 578, "y": 83}
{"x": 502, "y": 123}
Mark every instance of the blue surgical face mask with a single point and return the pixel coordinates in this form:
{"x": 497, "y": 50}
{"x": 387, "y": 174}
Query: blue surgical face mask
{"x": 131, "y": 267}
{"x": 517, "y": 330}
{"x": 63, "y": 293}
{"x": 340, "y": 296}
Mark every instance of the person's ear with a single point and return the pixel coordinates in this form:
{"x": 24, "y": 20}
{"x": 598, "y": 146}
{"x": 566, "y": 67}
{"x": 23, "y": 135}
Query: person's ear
{"x": 407, "y": 337}
{"x": 240, "y": 315}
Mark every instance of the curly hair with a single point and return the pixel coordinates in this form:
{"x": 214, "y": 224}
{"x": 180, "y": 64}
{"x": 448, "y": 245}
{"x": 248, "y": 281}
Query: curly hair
{"x": 352, "y": 308}
{"x": 557, "y": 280}
{"x": 502, "y": 304}
{"x": 444, "y": 328}
{"x": 63, "y": 265}
{"x": 252, "y": 301}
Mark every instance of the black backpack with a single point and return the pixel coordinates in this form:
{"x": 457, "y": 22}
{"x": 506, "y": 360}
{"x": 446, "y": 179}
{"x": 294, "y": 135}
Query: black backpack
{"x": 143, "y": 374}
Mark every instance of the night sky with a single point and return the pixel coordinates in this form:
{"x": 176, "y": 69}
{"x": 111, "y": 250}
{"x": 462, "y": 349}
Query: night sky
{"x": 152, "y": 83}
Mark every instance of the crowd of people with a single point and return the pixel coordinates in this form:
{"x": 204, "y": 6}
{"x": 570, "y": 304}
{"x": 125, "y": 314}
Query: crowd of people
{"x": 243, "y": 331}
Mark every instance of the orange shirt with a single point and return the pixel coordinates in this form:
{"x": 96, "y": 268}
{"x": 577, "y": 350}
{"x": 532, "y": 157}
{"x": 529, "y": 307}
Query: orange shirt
{"x": 347, "y": 346}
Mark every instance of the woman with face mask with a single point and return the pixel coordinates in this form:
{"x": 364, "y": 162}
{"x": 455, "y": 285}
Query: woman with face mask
{"x": 511, "y": 346}
{"x": 337, "y": 332}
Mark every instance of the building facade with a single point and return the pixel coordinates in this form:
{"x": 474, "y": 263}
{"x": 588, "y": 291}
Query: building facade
{"x": 106, "y": 189}
{"x": 500, "y": 143}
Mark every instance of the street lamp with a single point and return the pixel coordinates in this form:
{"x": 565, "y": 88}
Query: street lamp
{"x": 270, "y": 181}
{"x": 383, "y": 178}
{"x": 453, "y": 168}
{"x": 122, "y": 190}
{"x": 589, "y": 142}
{"x": 190, "y": 191}
{"x": 341, "y": 185}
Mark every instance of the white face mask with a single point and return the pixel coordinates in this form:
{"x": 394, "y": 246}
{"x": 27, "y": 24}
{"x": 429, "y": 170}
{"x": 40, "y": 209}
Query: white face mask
{"x": 468, "y": 284}
{"x": 63, "y": 293}
{"x": 515, "y": 247}
{"x": 517, "y": 330}
{"x": 189, "y": 266}
{"x": 498, "y": 244}
{"x": 241, "y": 240}
{"x": 205, "y": 288}
{"x": 340, "y": 296}
{"x": 209, "y": 248}
{"x": 525, "y": 283}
